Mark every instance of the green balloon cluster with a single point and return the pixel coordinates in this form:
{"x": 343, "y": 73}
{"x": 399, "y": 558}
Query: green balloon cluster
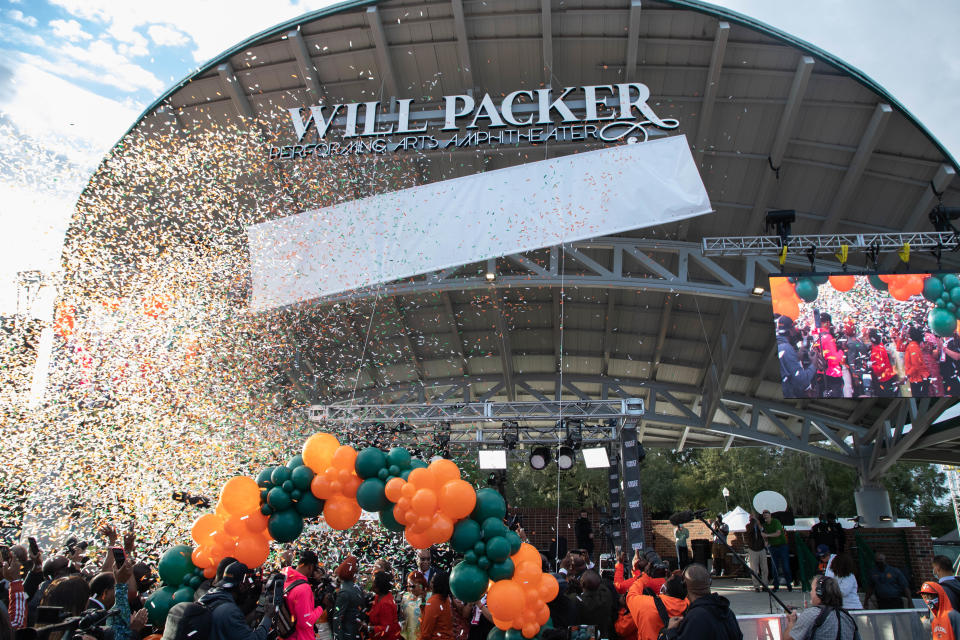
{"x": 377, "y": 469}
{"x": 180, "y": 581}
{"x": 877, "y": 283}
{"x": 943, "y": 290}
{"x": 285, "y": 496}
{"x": 486, "y": 544}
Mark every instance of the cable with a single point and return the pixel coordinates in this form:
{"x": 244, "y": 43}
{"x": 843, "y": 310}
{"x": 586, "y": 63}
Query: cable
{"x": 563, "y": 254}
{"x": 363, "y": 353}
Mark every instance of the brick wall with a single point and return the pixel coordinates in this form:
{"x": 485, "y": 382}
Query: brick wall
{"x": 912, "y": 554}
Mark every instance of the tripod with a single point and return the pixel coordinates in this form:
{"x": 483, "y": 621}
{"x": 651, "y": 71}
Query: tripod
{"x": 718, "y": 535}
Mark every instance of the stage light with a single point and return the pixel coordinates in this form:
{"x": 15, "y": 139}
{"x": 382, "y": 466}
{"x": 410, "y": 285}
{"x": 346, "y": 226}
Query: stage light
{"x": 758, "y": 291}
{"x": 565, "y": 458}
{"x": 540, "y": 458}
{"x": 574, "y": 430}
{"x": 510, "y": 434}
{"x": 493, "y": 459}
{"x": 491, "y": 276}
{"x": 596, "y": 458}
{"x": 886, "y": 518}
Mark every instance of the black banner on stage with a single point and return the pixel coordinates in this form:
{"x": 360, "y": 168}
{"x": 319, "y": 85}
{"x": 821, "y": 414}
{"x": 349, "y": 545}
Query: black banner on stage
{"x": 632, "y": 499}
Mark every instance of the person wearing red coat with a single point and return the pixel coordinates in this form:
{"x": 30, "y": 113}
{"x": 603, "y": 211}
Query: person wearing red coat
{"x": 384, "y": 622}
{"x": 883, "y": 375}
{"x": 914, "y": 367}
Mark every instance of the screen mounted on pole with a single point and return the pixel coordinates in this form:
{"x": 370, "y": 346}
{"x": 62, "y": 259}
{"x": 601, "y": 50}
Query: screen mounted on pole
{"x": 867, "y": 336}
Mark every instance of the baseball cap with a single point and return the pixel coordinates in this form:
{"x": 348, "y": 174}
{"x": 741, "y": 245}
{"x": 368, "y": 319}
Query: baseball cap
{"x": 233, "y": 575}
{"x": 822, "y": 550}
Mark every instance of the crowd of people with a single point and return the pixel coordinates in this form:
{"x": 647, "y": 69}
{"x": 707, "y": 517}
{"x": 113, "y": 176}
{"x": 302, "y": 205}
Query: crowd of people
{"x": 879, "y": 357}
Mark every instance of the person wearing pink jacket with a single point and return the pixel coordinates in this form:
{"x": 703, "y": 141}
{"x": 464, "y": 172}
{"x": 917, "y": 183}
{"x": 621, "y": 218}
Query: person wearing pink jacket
{"x": 300, "y": 599}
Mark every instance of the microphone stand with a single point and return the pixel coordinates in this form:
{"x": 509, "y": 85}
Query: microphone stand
{"x": 718, "y": 535}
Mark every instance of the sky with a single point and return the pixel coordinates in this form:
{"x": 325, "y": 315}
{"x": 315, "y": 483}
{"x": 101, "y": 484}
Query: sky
{"x": 75, "y": 75}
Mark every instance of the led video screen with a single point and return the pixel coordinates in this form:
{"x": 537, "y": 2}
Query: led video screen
{"x": 867, "y": 336}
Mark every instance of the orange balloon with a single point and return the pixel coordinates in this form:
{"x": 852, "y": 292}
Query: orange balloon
{"x": 543, "y": 613}
{"x": 318, "y": 451}
{"x": 441, "y": 529}
{"x": 251, "y": 551}
{"x": 154, "y": 636}
{"x": 505, "y": 600}
{"x": 444, "y": 471}
{"x": 503, "y": 625}
{"x": 899, "y": 293}
{"x": 421, "y": 479}
{"x": 457, "y": 499}
{"x": 843, "y": 283}
{"x": 549, "y": 588}
{"x": 204, "y": 527}
{"x": 786, "y": 302}
{"x": 526, "y": 553}
{"x": 234, "y": 526}
{"x": 888, "y": 278}
{"x": 424, "y": 502}
{"x": 408, "y": 490}
{"x": 240, "y": 495}
{"x": 349, "y": 488}
{"x": 320, "y": 487}
{"x": 344, "y": 457}
{"x": 256, "y": 522}
{"x": 341, "y": 513}
{"x": 394, "y": 489}
{"x": 528, "y": 572}
{"x": 201, "y": 558}
{"x": 530, "y": 629}
{"x": 209, "y": 572}
{"x": 416, "y": 540}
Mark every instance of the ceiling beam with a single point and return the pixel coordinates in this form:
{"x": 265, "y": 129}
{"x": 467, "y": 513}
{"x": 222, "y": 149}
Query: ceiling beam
{"x": 801, "y": 78}
{"x": 608, "y": 332}
{"x": 546, "y": 24}
{"x": 917, "y": 430}
{"x": 463, "y": 44}
{"x": 662, "y": 335}
{"x": 760, "y": 375}
{"x": 710, "y": 90}
{"x": 738, "y": 317}
{"x": 308, "y": 72}
{"x": 918, "y": 217}
{"x": 633, "y": 41}
{"x": 388, "y": 78}
{"x": 851, "y": 179}
{"x": 455, "y": 340}
{"x": 503, "y": 342}
{"x": 231, "y": 86}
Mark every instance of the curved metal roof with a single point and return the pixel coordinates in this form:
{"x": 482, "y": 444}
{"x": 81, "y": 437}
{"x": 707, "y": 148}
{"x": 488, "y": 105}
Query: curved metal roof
{"x": 773, "y": 122}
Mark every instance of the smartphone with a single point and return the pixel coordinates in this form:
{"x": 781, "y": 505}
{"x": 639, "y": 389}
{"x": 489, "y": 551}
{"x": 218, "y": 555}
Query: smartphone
{"x": 277, "y": 593}
{"x": 119, "y": 557}
{"x": 34, "y": 547}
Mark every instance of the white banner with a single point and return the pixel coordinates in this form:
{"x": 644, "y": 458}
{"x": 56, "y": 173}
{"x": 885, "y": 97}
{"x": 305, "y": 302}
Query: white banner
{"x": 473, "y": 218}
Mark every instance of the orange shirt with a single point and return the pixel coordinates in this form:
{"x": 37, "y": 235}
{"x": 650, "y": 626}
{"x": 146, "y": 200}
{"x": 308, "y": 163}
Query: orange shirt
{"x": 645, "y": 614}
{"x": 436, "y": 623}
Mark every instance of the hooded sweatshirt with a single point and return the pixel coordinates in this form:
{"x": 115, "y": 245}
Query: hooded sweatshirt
{"x": 708, "y": 618}
{"x": 945, "y": 622}
{"x": 647, "y": 616}
{"x": 301, "y": 605}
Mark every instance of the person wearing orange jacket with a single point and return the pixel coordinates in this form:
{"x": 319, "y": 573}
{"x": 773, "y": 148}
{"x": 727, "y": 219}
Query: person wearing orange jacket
{"x": 436, "y": 623}
{"x": 625, "y": 627}
{"x": 649, "y": 617}
{"x": 884, "y": 377}
{"x": 914, "y": 367}
{"x": 945, "y": 620}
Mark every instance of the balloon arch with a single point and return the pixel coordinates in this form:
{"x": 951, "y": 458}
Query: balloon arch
{"x": 430, "y": 503}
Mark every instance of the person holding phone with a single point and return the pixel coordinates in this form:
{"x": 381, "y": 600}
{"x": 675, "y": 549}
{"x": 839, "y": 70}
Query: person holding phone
{"x": 227, "y": 621}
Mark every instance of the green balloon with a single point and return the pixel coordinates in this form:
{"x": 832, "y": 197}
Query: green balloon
{"x": 470, "y": 557}
{"x": 498, "y": 549}
{"x": 302, "y": 476}
{"x": 174, "y": 564}
{"x": 818, "y": 280}
{"x": 493, "y": 528}
{"x": 280, "y": 475}
{"x": 501, "y": 570}
{"x": 483, "y": 562}
{"x": 952, "y": 308}
{"x": 369, "y": 462}
{"x": 393, "y": 470}
{"x": 288, "y": 486}
{"x": 466, "y": 533}
{"x": 296, "y": 494}
{"x": 807, "y": 289}
{"x": 400, "y": 457}
{"x": 266, "y": 509}
{"x": 417, "y": 463}
{"x": 950, "y": 281}
{"x": 263, "y": 478}
{"x": 513, "y": 634}
{"x": 942, "y": 322}
{"x": 955, "y": 295}
{"x": 941, "y": 304}
{"x": 468, "y": 582}
{"x": 480, "y": 549}
{"x": 405, "y": 473}
{"x": 370, "y": 495}
{"x": 932, "y": 289}
{"x": 263, "y": 495}
{"x": 877, "y": 283}
{"x": 158, "y": 605}
{"x": 183, "y": 594}
{"x": 388, "y": 520}
{"x": 490, "y": 504}
{"x": 295, "y": 461}
{"x": 285, "y": 526}
{"x": 278, "y": 499}
{"x": 496, "y": 634}
{"x": 196, "y": 581}
{"x": 514, "y": 541}
{"x": 309, "y": 506}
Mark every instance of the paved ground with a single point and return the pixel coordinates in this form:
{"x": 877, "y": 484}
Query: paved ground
{"x": 744, "y": 600}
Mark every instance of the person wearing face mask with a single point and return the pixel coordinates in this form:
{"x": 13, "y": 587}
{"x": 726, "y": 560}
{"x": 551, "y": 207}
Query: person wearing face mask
{"x": 943, "y": 570}
{"x": 944, "y": 619}
{"x": 888, "y": 584}
{"x": 794, "y": 376}
{"x": 826, "y": 619}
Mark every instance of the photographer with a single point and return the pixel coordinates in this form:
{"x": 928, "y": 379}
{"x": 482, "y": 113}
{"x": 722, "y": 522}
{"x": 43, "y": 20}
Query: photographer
{"x": 227, "y": 622}
{"x": 796, "y": 377}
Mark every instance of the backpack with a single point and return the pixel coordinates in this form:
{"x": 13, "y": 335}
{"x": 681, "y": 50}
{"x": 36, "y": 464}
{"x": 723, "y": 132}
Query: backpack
{"x": 189, "y": 621}
{"x": 286, "y": 622}
{"x": 821, "y": 618}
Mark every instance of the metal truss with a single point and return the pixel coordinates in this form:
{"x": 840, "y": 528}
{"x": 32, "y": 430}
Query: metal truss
{"x": 608, "y": 263}
{"x": 828, "y": 244}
